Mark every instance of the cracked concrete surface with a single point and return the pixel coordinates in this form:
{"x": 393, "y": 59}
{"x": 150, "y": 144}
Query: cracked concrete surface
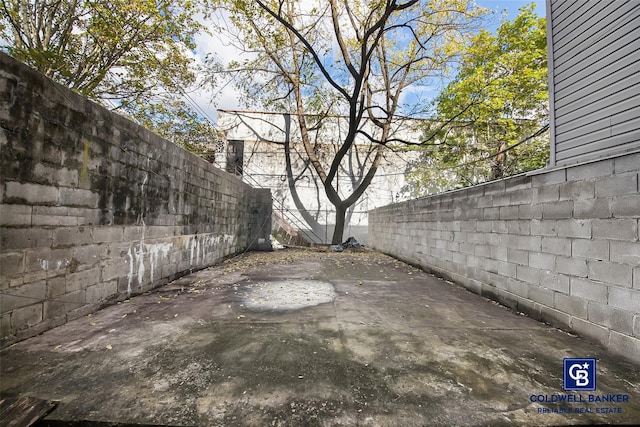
{"x": 311, "y": 338}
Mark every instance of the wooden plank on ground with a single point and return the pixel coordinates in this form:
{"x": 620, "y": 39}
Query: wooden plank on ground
{"x": 23, "y": 411}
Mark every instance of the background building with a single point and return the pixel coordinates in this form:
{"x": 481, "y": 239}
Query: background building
{"x": 255, "y": 149}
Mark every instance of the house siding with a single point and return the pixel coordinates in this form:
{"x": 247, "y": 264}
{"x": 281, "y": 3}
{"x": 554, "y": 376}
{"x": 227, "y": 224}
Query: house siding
{"x": 595, "y": 83}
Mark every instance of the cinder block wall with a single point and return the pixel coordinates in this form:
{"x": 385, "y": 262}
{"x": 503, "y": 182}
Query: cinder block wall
{"x": 562, "y": 246}
{"x": 94, "y": 208}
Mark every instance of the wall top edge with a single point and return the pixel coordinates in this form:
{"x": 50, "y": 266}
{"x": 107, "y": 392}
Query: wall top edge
{"x": 559, "y": 167}
{"x": 502, "y": 181}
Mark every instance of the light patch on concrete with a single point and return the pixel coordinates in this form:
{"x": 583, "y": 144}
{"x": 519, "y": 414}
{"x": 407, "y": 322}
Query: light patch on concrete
{"x": 291, "y": 294}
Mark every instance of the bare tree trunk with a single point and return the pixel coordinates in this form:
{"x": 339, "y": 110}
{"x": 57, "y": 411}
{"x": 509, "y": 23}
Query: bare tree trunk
{"x": 341, "y": 211}
{"x": 499, "y": 163}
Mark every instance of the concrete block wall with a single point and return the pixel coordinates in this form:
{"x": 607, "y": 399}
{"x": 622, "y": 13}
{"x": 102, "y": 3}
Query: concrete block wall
{"x": 562, "y": 246}
{"x": 94, "y": 208}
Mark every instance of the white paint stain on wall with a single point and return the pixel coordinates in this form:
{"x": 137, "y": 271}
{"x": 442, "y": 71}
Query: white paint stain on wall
{"x": 152, "y": 256}
{"x": 130, "y": 275}
{"x": 191, "y": 245}
{"x": 146, "y": 178}
{"x": 139, "y": 253}
{"x": 59, "y": 264}
{"x": 143, "y": 256}
{"x": 158, "y": 251}
{"x": 201, "y": 246}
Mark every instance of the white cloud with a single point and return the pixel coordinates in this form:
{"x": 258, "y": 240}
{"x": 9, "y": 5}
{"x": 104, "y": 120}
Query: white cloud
{"x": 217, "y": 45}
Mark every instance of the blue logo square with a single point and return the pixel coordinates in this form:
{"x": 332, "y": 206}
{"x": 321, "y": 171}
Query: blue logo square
{"x": 579, "y": 374}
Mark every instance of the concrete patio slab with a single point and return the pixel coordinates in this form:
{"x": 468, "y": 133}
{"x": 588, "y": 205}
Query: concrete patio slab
{"x": 304, "y": 338}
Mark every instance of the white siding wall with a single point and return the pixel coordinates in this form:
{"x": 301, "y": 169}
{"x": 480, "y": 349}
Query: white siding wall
{"x": 595, "y": 48}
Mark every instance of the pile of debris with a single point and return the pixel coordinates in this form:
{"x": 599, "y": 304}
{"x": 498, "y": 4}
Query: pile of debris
{"x": 350, "y": 243}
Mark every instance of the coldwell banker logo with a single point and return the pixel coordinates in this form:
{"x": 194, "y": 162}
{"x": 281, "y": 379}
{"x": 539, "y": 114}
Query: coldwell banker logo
{"x": 579, "y": 374}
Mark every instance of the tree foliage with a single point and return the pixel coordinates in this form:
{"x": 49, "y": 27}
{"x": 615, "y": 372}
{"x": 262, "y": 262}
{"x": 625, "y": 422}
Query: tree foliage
{"x": 359, "y": 60}
{"x": 178, "y": 122}
{"x": 497, "y": 100}
{"x": 131, "y": 55}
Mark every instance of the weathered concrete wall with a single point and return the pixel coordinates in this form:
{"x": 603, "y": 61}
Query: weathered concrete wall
{"x": 562, "y": 246}
{"x": 95, "y": 208}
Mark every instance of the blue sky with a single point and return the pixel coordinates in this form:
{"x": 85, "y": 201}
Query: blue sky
{"x": 510, "y": 8}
